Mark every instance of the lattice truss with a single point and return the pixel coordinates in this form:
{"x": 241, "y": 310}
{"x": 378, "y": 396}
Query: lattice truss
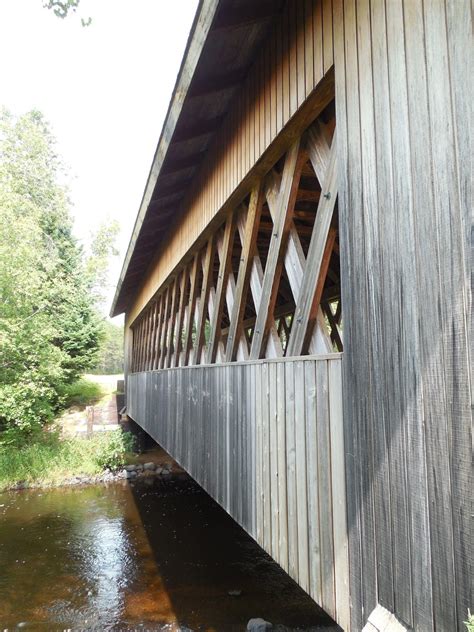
{"x": 267, "y": 283}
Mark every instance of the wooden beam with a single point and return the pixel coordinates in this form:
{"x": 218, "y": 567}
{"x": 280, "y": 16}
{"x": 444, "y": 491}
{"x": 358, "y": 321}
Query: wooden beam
{"x": 224, "y": 268}
{"x": 172, "y": 165}
{"x": 240, "y": 17}
{"x": 142, "y": 340}
{"x": 191, "y": 308}
{"x": 151, "y": 336}
{"x": 245, "y": 268}
{"x": 172, "y": 324}
{"x": 295, "y": 260}
{"x": 317, "y": 262}
{"x": 335, "y": 337}
{"x": 166, "y": 190}
{"x": 181, "y": 313}
{"x": 318, "y": 149}
{"x": 274, "y": 348}
{"x": 217, "y": 83}
{"x": 164, "y": 329}
{"x": 280, "y": 311}
{"x": 286, "y": 199}
{"x": 243, "y": 350}
{"x": 198, "y": 128}
{"x": 206, "y": 284}
{"x": 160, "y": 303}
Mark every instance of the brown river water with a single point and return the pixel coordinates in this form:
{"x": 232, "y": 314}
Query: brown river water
{"x": 154, "y": 554}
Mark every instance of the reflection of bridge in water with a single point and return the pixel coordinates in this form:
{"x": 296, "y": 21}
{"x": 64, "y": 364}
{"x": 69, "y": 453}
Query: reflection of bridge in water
{"x": 264, "y": 243}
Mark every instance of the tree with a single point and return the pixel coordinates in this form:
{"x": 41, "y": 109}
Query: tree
{"x": 63, "y": 8}
{"x": 110, "y": 356}
{"x": 49, "y": 327}
{"x": 102, "y": 248}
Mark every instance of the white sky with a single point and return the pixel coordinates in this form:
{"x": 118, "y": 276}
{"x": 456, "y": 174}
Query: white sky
{"x": 105, "y": 90}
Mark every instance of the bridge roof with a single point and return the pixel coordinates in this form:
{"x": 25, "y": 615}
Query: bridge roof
{"x": 222, "y": 44}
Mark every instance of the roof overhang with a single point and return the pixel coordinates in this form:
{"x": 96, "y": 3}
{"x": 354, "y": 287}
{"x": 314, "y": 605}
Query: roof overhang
{"x": 221, "y": 47}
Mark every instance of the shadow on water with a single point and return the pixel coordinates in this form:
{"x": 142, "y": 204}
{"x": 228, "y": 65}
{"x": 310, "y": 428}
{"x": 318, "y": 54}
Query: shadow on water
{"x": 215, "y": 575}
{"x": 150, "y": 555}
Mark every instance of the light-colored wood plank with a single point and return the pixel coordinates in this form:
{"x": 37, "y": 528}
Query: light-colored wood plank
{"x": 318, "y": 259}
{"x": 245, "y": 270}
{"x": 338, "y": 484}
{"x": 188, "y": 341}
{"x": 206, "y": 285}
{"x": 271, "y": 279}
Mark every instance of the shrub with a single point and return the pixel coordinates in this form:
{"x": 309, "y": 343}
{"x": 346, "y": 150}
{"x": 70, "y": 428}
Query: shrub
{"x": 111, "y": 448}
{"x": 48, "y": 458}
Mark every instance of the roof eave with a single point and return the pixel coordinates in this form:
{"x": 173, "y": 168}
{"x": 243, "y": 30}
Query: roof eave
{"x": 203, "y": 19}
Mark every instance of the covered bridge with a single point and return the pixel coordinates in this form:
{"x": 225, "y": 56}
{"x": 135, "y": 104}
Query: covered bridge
{"x": 297, "y": 295}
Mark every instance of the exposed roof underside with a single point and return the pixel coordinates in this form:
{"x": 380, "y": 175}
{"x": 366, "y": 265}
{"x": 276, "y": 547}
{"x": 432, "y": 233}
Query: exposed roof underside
{"x": 221, "y": 48}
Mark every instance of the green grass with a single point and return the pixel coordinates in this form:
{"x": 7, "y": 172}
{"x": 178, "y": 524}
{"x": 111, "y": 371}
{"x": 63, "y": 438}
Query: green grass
{"x": 48, "y": 459}
{"x": 83, "y": 392}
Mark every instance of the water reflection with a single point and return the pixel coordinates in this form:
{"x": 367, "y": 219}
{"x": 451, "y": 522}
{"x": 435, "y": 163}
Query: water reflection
{"x": 119, "y": 556}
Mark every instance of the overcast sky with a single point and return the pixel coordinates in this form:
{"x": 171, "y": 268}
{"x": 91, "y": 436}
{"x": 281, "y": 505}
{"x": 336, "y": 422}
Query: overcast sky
{"x": 105, "y": 90}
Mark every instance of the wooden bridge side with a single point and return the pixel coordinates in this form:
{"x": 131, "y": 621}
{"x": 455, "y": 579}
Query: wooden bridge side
{"x": 265, "y": 439}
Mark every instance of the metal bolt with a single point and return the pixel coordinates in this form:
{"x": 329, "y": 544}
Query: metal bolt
{"x": 275, "y": 234}
{"x": 327, "y": 195}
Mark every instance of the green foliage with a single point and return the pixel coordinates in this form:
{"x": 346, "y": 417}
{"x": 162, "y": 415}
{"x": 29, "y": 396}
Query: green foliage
{"x": 82, "y": 392}
{"x": 110, "y": 356}
{"x": 49, "y": 459}
{"x": 470, "y": 622}
{"x": 111, "y": 448}
{"x": 102, "y": 247}
{"x": 50, "y": 330}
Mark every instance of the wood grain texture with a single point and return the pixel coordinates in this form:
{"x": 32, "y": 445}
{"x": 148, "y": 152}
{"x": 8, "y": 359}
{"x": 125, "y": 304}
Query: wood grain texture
{"x": 260, "y": 423}
{"x": 407, "y": 299}
{"x": 240, "y": 146}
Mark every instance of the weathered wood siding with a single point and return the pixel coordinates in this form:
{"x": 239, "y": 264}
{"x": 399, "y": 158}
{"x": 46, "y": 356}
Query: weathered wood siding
{"x": 265, "y": 440}
{"x": 403, "y": 110}
{"x": 293, "y": 61}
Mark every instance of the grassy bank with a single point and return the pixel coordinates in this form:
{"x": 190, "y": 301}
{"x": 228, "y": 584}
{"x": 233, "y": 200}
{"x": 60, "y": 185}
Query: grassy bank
{"x": 50, "y": 459}
{"x": 47, "y": 457}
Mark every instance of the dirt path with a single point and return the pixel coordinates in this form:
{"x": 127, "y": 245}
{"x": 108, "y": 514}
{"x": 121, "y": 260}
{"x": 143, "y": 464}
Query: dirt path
{"x": 96, "y": 416}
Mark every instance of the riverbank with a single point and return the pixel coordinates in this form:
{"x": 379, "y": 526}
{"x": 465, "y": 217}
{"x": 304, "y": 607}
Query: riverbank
{"x": 51, "y": 460}
{"x": 84, "y": 444}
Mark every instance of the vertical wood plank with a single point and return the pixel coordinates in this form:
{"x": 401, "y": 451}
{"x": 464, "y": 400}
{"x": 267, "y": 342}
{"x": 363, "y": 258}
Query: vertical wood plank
{"x": 341, "y": 555}
{"x": 291, "y": 471}
{"x": 301, "y": 485}
{"x": 325, "y": 490}
{"x": 313, "y": 482}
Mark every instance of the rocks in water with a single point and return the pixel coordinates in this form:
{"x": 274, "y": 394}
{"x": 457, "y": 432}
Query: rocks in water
{"x": 149, "y": 466}
{"x": 130, "y": 473}
{"x": 259, "y": 625}
{"x": 130, "y": 468}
